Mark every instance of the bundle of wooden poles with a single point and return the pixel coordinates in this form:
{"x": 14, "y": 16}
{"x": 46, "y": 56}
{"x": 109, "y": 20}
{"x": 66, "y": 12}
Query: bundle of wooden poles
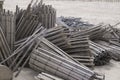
{"x": 31, "y": 38}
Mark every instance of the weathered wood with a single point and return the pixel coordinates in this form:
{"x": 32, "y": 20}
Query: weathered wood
{"x": 8, "y": 27}
{"x": 102, "y": 56}
{"x": 40, "y": 64}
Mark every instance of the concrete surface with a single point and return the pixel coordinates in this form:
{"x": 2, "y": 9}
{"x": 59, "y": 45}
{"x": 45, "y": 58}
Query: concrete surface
{"x": 94, "y": 12}
{"x": 26, "y": 74}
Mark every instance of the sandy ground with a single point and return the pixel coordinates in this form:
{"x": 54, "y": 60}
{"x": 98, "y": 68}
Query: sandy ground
{"x": 111, "y": 72}
{"x": 93, "y": 12}
{"x": 26, "y": 74}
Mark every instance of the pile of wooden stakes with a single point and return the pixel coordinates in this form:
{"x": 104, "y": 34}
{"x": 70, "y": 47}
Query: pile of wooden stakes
{"x": 19, "y": 30}
{"x": 30, "y": 38}
{"x": 22, "y": 33}
{"x": 29, "y": 19}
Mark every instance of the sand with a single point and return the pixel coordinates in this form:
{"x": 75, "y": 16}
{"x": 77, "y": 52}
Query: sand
{"x": 93, "y": 12}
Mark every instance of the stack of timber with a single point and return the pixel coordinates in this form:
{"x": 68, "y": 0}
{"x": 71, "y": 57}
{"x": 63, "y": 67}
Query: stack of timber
{"x": 58, "y": 36}
{"x": 46, "y": 14}
{"x": 44, "y": 60}
{"x": 79, "y": 49}
{"x": 7, "y": 23}
{"x": 41, "y": 42}
{"x": 112, "y": 48}
{"x": 27, "y": 24}
{"x": 117, "y": 31}
{"x": 21, "y": 55}
{"x": 31, "y": 36}
{"x": 28, "y": 20}
{"x": 95, "y": 32}
{"x": 100, "y": 53}
{"x": 15, "y": 51}
{"x": 5, "y": 51}
{"x": 111, "y": 34}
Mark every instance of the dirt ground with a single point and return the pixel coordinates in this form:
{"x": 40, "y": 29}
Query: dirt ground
{"x": 111, "y": 72}
{"x": 93, "y": 12}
